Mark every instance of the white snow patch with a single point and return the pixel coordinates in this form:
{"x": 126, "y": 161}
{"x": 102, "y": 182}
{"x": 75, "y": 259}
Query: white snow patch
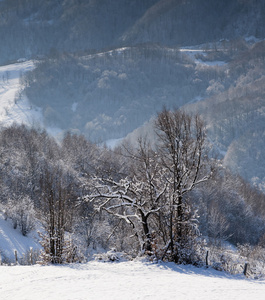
{"x": 210, "y": 63}
{"x": 193, "y": 52}
{"x": 124, "y": 280}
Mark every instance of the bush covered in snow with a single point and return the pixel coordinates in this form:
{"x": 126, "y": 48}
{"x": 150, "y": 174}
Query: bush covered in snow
{"x": 112, "y": 256}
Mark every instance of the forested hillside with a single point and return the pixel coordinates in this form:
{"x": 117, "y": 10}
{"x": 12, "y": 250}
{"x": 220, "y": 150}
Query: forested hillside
{"x": 108, "y": 95}
{"x": 35, "y": 27}
{"x": 181, "y": 22}
{"x": 234, "y": 112}
{"x": 88, "y": 197}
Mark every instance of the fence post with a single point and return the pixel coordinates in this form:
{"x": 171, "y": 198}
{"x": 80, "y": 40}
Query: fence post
{"x": 207, "y": 262}
{"x": 16, "y": 256}
{"x": 246, "y": 267}
{"x": 31, "y": 255}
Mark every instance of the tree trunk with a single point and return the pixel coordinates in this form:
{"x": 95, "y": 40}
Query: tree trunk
{"x": 147, "y": 247}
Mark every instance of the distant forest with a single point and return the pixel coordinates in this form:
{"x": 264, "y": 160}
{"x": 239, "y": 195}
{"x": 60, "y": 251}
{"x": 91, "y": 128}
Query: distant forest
{"x": 32, "y": 28}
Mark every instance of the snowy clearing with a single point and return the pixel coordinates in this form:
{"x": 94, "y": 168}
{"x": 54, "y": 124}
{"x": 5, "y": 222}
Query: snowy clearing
{"x": 124, "y": 280}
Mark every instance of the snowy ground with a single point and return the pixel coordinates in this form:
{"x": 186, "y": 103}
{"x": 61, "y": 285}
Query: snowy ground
{"x": 124, "y": 280}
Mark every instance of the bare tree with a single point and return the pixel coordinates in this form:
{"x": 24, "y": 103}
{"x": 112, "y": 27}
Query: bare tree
{"x": 58, "y": 205}
{"x": 182, "y": 154}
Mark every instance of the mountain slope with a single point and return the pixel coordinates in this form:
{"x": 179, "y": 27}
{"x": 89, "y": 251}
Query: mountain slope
{"x": 109, "y": 94}
{"x": 180, "y": 22}
{"x": 235, "y": 116}
{"x": 32, "y": 28}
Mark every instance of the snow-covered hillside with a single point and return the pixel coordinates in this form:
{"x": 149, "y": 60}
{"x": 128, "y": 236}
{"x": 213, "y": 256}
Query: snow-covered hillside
{"x": 14, "y": 108}
{"x": 12, "y": 240}
{"x": 14, "y": 105}
{"x": 124, "y": 280}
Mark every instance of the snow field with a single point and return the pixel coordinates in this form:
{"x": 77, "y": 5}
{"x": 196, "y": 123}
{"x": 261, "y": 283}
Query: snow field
{"x": 21, "y": 111}
{"x": 124, "y": 280}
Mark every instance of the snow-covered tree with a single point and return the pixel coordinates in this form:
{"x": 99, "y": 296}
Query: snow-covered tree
{"x": 182, "y": 156}
{"x": 135, "y": 198}
{"x": 153, "y": 196}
